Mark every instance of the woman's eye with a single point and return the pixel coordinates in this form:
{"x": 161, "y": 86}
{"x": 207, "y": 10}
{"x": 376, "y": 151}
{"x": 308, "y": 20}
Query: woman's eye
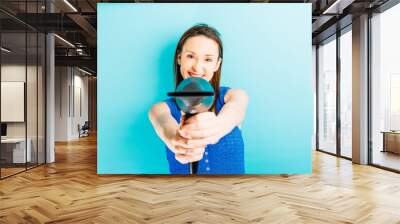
{"x": 189, "y": 56}
{"x": 209, "y": 60}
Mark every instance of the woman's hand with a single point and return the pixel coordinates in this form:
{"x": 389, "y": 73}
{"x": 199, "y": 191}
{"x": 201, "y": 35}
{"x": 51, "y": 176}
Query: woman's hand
{"x": 167, "y": 128}
{"x": 207, "y": 128}
{"x": 192, "y": 155}
{"x": 201, "y": 130}
{"x": 183, "y": 152}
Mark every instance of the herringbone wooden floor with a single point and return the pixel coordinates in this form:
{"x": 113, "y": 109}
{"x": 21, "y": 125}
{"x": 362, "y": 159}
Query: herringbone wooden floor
{"x": 70, "y": 191}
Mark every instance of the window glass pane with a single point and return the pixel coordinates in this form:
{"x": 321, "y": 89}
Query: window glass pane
{"x": 22, "y": 88}
{"x": 14, "y": 153}
{"x": 386, "y": 88}
{"x": 41, "y": 98}
{"x": 31, "y": 101}
{"x": 346, "y": 93}
{"x": 327, "y": 96}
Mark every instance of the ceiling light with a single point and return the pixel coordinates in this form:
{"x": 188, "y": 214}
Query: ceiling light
{"x": 64, "y": 40}
{"x": 70, "y": 5}
{"x": 84, "y": 71}
{"x": 5, "y": 50}
{"x": 338, "y": 6}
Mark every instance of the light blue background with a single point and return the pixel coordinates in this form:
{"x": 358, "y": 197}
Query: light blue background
{"x": 267, "y": 52}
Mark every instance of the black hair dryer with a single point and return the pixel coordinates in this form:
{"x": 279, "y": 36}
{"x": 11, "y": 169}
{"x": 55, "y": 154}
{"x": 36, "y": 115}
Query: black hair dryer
{"x": 193, "y": 95}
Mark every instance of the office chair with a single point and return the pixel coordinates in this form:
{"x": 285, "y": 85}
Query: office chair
{"x": 84, "y": 130}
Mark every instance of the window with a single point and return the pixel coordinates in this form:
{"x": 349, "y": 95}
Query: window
{"x": 327, "y": 96}
{"x": 385, "y": 90}
{"x": 346, "y": 93}
{"x": 22, "y": 68}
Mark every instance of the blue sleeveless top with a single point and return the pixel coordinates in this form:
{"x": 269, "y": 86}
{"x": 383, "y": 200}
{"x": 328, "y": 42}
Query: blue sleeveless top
{"x": 224, "y": 157}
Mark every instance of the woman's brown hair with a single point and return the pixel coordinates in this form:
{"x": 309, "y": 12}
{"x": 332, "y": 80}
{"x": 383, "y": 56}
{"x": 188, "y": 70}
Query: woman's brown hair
{"x": 209, "y": 32}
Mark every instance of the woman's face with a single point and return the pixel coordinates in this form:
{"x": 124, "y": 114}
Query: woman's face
{"x": 199, "y": 58}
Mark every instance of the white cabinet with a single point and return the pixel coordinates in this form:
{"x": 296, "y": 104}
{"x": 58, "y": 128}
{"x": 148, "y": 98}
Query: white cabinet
{"x": 18, "y": 149}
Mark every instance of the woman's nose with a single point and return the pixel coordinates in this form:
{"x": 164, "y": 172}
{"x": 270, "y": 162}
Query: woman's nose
{"x": 197, "y": 66}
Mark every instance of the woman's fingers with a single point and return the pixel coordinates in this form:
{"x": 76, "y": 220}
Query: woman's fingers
{"x": 198, "y": 151}
{"x": 203, "y": 125}
{"x": 196, "y": 143}
{"x": 199, "y": 134}
{"x": 182, "y": 150}
{"x": 188, "y": 158}
{"x": 199, "y": 138}
{"x": 200, "y": 117}
{"x": 192, "y": 156}
{"x": 200, "y": 122}
{"x": 182, "y": 158}
{"x": 190, "y": 151}
{"x": 180, "y": 142}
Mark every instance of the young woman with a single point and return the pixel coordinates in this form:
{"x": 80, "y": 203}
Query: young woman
{"x": 212, "y": 138}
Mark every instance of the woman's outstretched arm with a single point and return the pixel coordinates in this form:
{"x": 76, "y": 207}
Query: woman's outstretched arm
{"x": 167, "y": 128}
{"x": 163, "y": 123}
{"x": 234, "y": 110}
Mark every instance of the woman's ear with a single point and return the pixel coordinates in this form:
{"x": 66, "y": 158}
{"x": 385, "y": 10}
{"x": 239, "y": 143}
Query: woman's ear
{"x": 179, "y": 59}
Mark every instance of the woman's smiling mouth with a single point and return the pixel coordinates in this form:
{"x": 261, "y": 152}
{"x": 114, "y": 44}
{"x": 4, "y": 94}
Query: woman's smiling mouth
{"x": 195, "y": 74}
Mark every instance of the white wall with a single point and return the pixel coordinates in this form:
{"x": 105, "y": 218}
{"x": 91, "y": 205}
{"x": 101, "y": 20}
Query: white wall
{"x": 71, "y": 94}
{"x": 80, "y": 103}
{"x": 62, "y": 81}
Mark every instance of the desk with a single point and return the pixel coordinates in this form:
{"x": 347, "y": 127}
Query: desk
{"x": 17, "y": 150}
{"x": 391, "y": 141}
